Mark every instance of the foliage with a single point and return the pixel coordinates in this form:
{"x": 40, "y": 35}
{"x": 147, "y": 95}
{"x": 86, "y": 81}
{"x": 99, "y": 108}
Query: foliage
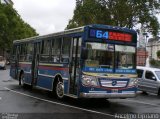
{"x": 155, "y": 63}
{"x": 158, "y": 53}
{"x": 12, "y": 27}
{"x": 152, "y": 62}
{"x": 124, "y": 13}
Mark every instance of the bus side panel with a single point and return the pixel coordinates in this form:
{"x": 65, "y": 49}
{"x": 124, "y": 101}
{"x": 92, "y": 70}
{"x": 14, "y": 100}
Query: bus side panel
{"x": 46, "y": 75}
{"x": 45, "y": 82}
{"x": 26, "y": 68}
{"x": 13, "y": 71}
{"x": 66, "y": 83}
{"x": 28, "y": 78}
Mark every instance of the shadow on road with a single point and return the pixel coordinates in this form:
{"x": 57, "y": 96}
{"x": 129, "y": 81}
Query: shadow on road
{"x": 101, "y": 105}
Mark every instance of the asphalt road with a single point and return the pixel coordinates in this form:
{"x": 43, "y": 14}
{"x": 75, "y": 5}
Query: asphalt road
{"x": 19, "y": 103}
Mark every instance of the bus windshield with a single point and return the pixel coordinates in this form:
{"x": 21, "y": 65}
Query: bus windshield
{"x": 100, "y": 55}
{"x": 103, "y": 57}
{"x": 125, "y": 57}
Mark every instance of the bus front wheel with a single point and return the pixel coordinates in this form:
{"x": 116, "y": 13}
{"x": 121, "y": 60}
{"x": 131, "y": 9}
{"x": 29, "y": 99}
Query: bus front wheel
{"x": 59, "y": 89}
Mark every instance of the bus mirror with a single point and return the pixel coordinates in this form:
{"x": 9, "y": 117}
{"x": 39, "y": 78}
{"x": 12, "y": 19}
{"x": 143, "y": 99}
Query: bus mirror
{"x": 84, "y": 53}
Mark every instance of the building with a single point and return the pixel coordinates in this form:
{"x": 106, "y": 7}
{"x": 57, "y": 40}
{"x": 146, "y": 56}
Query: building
{"x": 6, "y": 2}
{"x": 142, "y": 56}
{"x": 152, "y": 47}
{"x": 142, "y": 53}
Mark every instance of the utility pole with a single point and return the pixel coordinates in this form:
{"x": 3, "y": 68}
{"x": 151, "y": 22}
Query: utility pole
{"x": 145, "y": 36}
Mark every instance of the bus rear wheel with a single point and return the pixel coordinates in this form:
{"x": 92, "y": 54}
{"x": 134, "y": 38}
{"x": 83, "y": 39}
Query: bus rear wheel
{"x": 21, "y": 79}
{"x": 59, "y": 90}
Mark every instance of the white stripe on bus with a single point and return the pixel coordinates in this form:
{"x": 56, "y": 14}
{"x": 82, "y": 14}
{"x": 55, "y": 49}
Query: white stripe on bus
{"x": 45, "y": 64}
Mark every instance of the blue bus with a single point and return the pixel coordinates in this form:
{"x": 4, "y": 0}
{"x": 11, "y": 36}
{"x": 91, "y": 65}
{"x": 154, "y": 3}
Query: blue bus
{"x": 93, "y": 61}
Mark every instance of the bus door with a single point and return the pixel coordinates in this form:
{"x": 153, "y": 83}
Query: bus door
{"x": 35, "y": 63}
{"x": 17, "y": 61}
{"x": 74, "y": 66}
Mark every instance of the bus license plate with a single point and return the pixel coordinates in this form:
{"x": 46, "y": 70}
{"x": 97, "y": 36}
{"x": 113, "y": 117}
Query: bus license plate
{"x": 114, "y": 90}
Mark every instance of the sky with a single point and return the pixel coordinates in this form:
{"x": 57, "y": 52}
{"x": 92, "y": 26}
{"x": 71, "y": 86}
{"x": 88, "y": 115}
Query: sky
{"x": 45, "y": 16}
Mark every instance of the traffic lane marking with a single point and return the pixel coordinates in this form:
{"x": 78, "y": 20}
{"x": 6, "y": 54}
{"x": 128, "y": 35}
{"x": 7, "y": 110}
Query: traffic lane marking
{"x": 142, "y": 102}
{"x": 59, "y": 103}
{"x": 77, "y": 107}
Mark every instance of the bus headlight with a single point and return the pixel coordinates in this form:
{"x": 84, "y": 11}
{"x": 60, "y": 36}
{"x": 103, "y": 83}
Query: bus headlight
{"x": 89, "y": 80}
{"x": 133, "y": 82}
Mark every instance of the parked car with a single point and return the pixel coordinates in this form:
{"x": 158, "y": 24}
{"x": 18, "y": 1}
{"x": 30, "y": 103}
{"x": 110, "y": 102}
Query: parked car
{"x": 2, "y": 63}
{"x": 149, "y": 79}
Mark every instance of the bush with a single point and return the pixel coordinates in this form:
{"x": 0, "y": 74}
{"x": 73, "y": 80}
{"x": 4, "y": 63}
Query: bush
{"x": 155, "y": 63}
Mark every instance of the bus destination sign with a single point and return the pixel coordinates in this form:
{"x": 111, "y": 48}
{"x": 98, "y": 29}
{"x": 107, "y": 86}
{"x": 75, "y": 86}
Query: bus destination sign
{"x": 110, "y": 35}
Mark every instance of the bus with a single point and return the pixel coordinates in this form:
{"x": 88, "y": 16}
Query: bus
{"x": 93, "y": 61}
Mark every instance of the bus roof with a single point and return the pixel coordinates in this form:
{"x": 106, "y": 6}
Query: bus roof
{"x": 122, "y": 29}
{"x": 77, "y": 30}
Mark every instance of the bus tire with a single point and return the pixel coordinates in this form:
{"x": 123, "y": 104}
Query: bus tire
{"x": 21, "y": 79}
{"x": 59, "y": 88}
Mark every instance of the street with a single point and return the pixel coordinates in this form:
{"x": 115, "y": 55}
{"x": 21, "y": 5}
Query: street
{"x": 19, "y": 103}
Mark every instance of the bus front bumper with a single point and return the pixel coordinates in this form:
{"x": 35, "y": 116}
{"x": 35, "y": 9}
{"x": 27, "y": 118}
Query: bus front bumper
{"x": 107, "y": 95}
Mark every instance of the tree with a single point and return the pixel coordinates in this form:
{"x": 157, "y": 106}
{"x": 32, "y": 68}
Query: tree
{"x": 89, "y": 12}
{"x": 12, "y": 27}
{"x": 158, "y": 54}
{"x": 123, "y": 13}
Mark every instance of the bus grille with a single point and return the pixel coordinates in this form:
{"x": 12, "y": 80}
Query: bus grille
{"x": 113, "y": 83}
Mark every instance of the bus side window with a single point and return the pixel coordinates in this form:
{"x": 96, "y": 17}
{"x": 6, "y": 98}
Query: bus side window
{"x": 45, "y": 51}
{"x": 66, "y": 50}
{"x": 29, "y": 52}
{"x": 56, "y": 50}
{"x": 23, "y": 49}
{"x": 13, "y": 57}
